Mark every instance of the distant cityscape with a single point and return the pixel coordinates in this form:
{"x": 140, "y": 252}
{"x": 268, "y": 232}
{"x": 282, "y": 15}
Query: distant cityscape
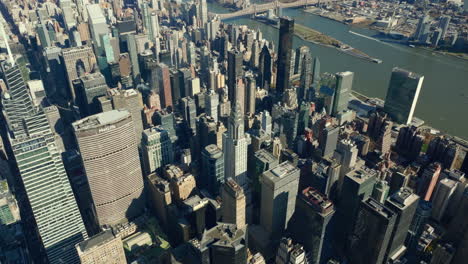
{"x": 155, "y": 132}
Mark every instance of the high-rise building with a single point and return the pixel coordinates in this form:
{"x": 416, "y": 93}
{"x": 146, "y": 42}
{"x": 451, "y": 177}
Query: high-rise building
{"x": 164, "y": 81}
{"x": 98, "y": 25}
{"x": 235, "y": 143}
{"x": 380, "y": 130}
{"x": 328, "y": 140}
{"x": 102, "y": 248}
{"x": 402, "y": 95}
{"x": 312, "y": 224}
{"x": 357, "y": 185}
{"x": 286, "y": 34}
{"x": 17, "y": 103}
{"x": 234, "y": 73}
{"x": 443, "y": 150}
{"x": 422, "y": 215}
{"x": 211, "y": 104}
{"x": 189, "y": 111}
{"x": 381, "y": 190}
{"x": 443, "y": 253}
{"x": 278, "y": 197}
{"x": 157, "y": 149}
{"x": 404, "y": 204}
{"x": 224, "y": 243}
{"x": 428, "y": 181}
{"x": 130, "y": 100}
{"x": 49, "y": 195}
{"x": 87, "y": 89}
{"x": 290, "y": 253}
{"x": 409, "y": 142}
{"x": 213, "y": 168}
{"x": 372, "y": 232}
{"x": 233, "y": 204}
{"x": 346, "y": 154}
{"x": 344, "y": 84}
{"x": 265, "y": 68}
{"x": 442, "y": 197}
{"x": 78, "y": 61}
{"x": 110, "y": 156}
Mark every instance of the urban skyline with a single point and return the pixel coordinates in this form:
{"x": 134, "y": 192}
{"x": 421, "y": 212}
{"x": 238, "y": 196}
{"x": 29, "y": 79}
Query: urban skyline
{"x": 156, "y": 131}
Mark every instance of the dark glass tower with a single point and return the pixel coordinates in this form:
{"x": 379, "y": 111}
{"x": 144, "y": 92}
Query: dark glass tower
{"x": 372, "y": 232}
{"x": 286, "y": 34}
{"x": 235, "y": 72}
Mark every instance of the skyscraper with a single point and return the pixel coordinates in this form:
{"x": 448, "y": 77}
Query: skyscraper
{"x": 344, "y": 84}
{"x": 17, "y": 102}
{"x": 235, "y": 143}
{"x": 278, "y": 198}
{"x": 402, "y": 95}
{"x": 372, "y": 232}
{"x": 157, "y": 149}
{"x": 211, "y": 104}
{"x": 78, "y": 61}
{"x": 224, "y": 243}
{"x": 422, "y": 215}
{"x": 428, "y": 181}
{"x": 98, "y": 25}
{"x": 164, "y": 82}
{"x": 87, "y": 89}
{"x": 442, "y": 197}
{"x": 49, "y": 194}
{"x": 328, "y": 140}
{"x": 357, "y": 185}
{"x": 404, "y": 204}
{"x": 265, "y": 67}
{"x": 234, "y": 73}
{"x": 110, "y": 156}
{"x": 312, "y": 224}
{"x": 233, "y": 204}
{"x": 213, "y": 168}
{"x": 286, "y": 34}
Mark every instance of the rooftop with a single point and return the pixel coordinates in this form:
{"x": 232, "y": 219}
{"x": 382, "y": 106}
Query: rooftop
{"x": 96, "y": 240}
{"x": 317, "y": 200}
{"x": 362, "y": 174}
{"x": 281, "y": 171}
{"x": 101, "y": 119}
{"x": 403, "y": 197}
{"x": 379, "y": 208}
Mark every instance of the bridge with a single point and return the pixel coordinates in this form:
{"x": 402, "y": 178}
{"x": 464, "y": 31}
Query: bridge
{"x": 259, "y": 8}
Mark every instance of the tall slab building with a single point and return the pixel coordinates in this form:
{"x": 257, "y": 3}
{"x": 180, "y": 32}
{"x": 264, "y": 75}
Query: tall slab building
{"x": 278, "y": 197}
{"x": 286, "y": 34}
{"x": 110, "y": 156}
{"x": 402, "y": 95}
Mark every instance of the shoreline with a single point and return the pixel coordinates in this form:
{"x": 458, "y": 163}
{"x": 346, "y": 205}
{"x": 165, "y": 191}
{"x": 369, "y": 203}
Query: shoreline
{"x": 308, "y": 34}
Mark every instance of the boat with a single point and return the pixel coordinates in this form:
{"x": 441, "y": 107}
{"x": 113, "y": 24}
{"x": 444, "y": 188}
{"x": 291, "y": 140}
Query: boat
{"x": 376, "y": 60}
{"x": 411, "y": 46}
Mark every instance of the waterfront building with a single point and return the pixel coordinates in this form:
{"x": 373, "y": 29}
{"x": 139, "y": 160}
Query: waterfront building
{"x": 402, "y": 95}
{"x": 344, "y": 84}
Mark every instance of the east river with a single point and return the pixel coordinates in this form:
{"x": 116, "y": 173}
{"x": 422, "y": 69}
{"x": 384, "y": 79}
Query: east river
{"x": 443, "y": 102}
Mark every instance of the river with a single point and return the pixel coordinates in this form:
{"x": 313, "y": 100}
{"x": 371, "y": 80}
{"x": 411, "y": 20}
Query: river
{"x": 443, "y": 102}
